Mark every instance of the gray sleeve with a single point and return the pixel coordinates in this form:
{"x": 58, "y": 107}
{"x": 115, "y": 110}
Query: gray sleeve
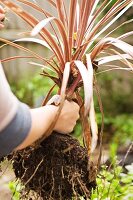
{"x": 16, "y": 131}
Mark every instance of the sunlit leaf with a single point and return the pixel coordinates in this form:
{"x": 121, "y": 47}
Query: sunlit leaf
{"x": 42, "y": 66}
{"x": 15, "y": 57}
{"x": 32, "y": 21}
{"x": 60, "y": 10}
{"x": 107, "y": 59}
{"x": 87, "y": 77}
{"x": 94, "y": 127}
{"x": 104, "y": 43}
{"x": 35, "y": 40}
{"x": 113, "y": 20}
{"x": 83, "y": 21}
{"x": 115, "y": 68}
{"x": 72, "y": 16}
{"x": 41, "y": 25}
{"x": 86, "y": 132}
{"x": 52, "y": 2}
{"x": 77, "y": 18}
{"x": 66, "y": 74}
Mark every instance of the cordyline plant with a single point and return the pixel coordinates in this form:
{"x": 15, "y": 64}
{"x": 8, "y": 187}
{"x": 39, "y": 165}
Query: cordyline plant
{"x": 78, "y": 48}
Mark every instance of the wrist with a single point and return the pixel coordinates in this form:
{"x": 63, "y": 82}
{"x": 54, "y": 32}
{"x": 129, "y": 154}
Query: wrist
{"x": 41, "y": 120}
{"x": 51, "y": 110}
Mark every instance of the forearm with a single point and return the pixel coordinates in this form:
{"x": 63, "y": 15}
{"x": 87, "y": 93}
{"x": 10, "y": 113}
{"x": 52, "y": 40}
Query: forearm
{"x": 41, "y": 119}
{"x": 15, "y": 118}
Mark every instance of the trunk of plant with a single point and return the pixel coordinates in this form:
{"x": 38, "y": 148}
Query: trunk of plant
{"x": 58, "y": 169}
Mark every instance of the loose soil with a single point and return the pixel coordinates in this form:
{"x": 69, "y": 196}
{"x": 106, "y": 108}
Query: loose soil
{"x": 58, "y": 169}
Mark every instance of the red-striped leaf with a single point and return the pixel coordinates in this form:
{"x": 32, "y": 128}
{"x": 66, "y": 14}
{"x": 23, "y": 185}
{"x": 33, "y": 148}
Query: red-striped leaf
{"x": 87, "y": 77}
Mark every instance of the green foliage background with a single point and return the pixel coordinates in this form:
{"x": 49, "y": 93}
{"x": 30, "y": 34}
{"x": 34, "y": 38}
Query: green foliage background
{"x": 114, "y": 184}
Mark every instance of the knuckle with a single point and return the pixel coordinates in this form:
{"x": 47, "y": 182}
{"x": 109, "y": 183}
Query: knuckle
{"x": 78, "y": 116}
{"x": 70, "y": 129}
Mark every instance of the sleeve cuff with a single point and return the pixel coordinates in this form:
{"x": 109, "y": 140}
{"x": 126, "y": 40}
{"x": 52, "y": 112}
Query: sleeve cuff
{"x": 16, "y": 131}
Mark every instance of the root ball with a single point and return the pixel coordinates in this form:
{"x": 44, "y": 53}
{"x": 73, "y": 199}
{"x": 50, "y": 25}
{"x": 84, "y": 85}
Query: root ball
{"x": 56, "y": 170}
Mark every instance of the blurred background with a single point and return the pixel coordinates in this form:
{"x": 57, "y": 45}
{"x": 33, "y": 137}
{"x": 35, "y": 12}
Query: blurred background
{"x": 116, "y": 88}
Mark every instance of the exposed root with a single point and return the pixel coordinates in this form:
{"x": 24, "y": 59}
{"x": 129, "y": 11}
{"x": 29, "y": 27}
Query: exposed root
{"x": 56, "y": 170}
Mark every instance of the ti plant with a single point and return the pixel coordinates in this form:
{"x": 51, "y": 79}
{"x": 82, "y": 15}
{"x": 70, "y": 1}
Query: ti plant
{"x": 78, "y": 47}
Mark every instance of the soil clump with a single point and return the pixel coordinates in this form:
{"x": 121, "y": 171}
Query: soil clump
{"x": 58, "y": 169}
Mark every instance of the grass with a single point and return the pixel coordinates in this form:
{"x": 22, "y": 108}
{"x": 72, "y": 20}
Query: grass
{"x": 114, "y": 184}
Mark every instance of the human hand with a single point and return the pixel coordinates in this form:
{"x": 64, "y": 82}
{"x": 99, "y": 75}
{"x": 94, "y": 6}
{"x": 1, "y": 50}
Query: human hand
{"x": 2, "y": 17}
{"x": 42, "y": 117}
{"x": 68, "y": 117}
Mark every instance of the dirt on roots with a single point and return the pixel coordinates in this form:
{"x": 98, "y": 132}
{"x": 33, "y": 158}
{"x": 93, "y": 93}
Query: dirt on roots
{"x": 58, "y": 169}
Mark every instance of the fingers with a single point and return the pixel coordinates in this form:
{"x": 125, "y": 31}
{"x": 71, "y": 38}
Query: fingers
{"x": 68, "y": 117}
{"x": 55, "y": 99}
{"x": 1, "y": 25}
{"x": 2, "y": 16}
{"x": 74, "y": 108}
{"x": 73, "y": 116}
{"x": 2, "y": 10}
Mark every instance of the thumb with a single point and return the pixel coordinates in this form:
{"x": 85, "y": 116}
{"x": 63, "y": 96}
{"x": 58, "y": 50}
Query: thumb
{"x": 54, "y": 100}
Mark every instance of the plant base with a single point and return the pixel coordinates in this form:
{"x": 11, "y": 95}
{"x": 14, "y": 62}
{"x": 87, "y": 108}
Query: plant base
{"x": 56, "y": 170}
